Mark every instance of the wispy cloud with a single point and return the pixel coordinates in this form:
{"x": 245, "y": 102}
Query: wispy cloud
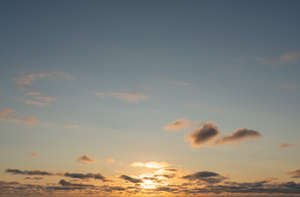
{"x": 124, "y": 96}
{"x": 286, "y": 145}
{"x": 33, "y": 155}
{"x": 294, "y": 174}
{"x": 28, "y": 172}
{"x": 6, "y": 115}
{"x": 205, "y": 176}
{"x": 85, "y": 159}
{"x": 71, "y": 126}
{"x": 40, "y": 101}
{"x": 150, "y": 164}
{"x": 180, "y": 124}
{"x": 27, "y": 79}
{"x": 291, "y": 57}
{"x": 110, "y": 160}
{"x": 130, "y": 179}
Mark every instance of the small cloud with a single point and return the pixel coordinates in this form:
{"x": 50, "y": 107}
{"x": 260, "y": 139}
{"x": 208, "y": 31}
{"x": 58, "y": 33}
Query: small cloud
{"x": 294, "y": 174}
{"x": 180, "y": 83}
{"x": 238, "y": 136}
{"x": 110, "y": 160}
{"x": 40, "y": 101}
{"x": 33, "y": 155}
{"x": 179, "y": 124}
{"x": 150, "y": 164}
{"x": 32, "y": 94}
{"x": 204, "y": 134}
{"x": 85, "y": 159}
{"x": 97, "y": 176}
{"x": 28, "y": 172}
{"x": 286, "y": 145}
{"x": 32, "y": 102}
{"x": 71, "y": 126}
{"x": 28, "y": 79}
{"x": 124, "y": 96}
{"x": 5, "y": 115}
{"x": 291, "y": 57}
{"x": 130, "y": 179}
{"x": 205, "y": 176}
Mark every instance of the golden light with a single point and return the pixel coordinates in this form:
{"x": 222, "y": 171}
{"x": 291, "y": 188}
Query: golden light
{"x": 149, "y": 184}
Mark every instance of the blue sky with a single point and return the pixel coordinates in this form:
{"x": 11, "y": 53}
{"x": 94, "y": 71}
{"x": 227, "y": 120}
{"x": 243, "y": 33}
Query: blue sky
{"x": 103, "y": 78}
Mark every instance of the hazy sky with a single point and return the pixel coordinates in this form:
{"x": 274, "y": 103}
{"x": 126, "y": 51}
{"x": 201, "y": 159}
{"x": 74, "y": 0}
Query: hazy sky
{"x": 149, "y": 98}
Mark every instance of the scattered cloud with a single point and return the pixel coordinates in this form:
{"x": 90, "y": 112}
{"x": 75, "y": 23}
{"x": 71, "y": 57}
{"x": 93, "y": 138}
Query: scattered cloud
{"x": 205, "y": 133}
{"x": 205, "y": 176}
{"x": 150, "y": 164}
{"x": 32, "y": 94}
{"x": 6, "y": 115}
{"x": 130, "y": 179}
{"x": 110, "y": 160}
{"x": 291, "y": 57}
{"x": 28, "y": 172}
{"x": 40, "y": 101}
{"x": 97, "y": 176}
{"x": 71, "y": 126}
{"x": 180, "y": 124}
{"x": 238, "y": 136}
{"x": 27, "y": 79}
{"x": 33, "y": 155}
{"x": 294, "y": 174}
{"x": 124, "y": 96}
{"x": 286, "y": 145}
{"x": 85, "y": 159}
{"x": 180, "y": 83}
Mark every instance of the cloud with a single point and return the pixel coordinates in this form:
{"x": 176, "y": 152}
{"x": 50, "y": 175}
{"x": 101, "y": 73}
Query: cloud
{"x": 130, "y": 179}
{"x": 203, "y": 134}
{"x": 294, "y": 174}
{"x": 205, "y": 176}
{"x": 179, "y": 124}
{"x": 5, "y": 115}
{"x": 32, "y": 94}
{"x": 40, "y": 101}
{"x": 110, "y": 160}
{"x": 97, "y": 176}
{"x": 150, "y": 164}
{"x": 238, "y": 136}
{"x": 180, "y": 83}
{"x": 71, "y": 126}
{"x": 34, "y": 155}
{"x": 28, "y": 172}
{"x": 85, "y": 159}
{"x": 291, "y": 57}
{"x": 286, "y": 145}
{"x": 28, "y": 79}
{"x": 124, "y": 96}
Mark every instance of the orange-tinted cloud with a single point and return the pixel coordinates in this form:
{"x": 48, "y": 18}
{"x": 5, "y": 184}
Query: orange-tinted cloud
{"x": 110, "y": 160}
{"x": 34, "y": 155}
{"x": 85, "y": 159}
{"x": 179, "y": 124}
{"x": 5, "y": 115}
{"x": 286, "y": 145}
{"x": 294, "y": 174}
{"x": 125, "y": 96}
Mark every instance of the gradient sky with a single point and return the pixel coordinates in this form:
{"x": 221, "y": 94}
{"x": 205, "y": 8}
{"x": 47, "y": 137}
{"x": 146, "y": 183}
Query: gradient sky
{"x": 162, "y": 98}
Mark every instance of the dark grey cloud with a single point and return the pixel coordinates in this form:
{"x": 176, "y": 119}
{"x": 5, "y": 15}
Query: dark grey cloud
{"x": 205, "y": 176}
{"x": 203, "y": 134}
{"x": 85, "y": 176}
{"x": 130, "y": 179}
{"x": 28, "y": 172}
{"x": 239, "y": 135}
{"x": 294, "y": 174}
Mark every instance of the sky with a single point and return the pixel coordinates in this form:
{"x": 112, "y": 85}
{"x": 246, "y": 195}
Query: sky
{"x": 149, "y": 98}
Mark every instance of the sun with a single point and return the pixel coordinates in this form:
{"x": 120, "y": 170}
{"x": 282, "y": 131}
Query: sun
{"x": 148, "y": 184}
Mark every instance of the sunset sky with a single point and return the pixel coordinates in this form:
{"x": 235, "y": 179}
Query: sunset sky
{"x": 149, "y": 98}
